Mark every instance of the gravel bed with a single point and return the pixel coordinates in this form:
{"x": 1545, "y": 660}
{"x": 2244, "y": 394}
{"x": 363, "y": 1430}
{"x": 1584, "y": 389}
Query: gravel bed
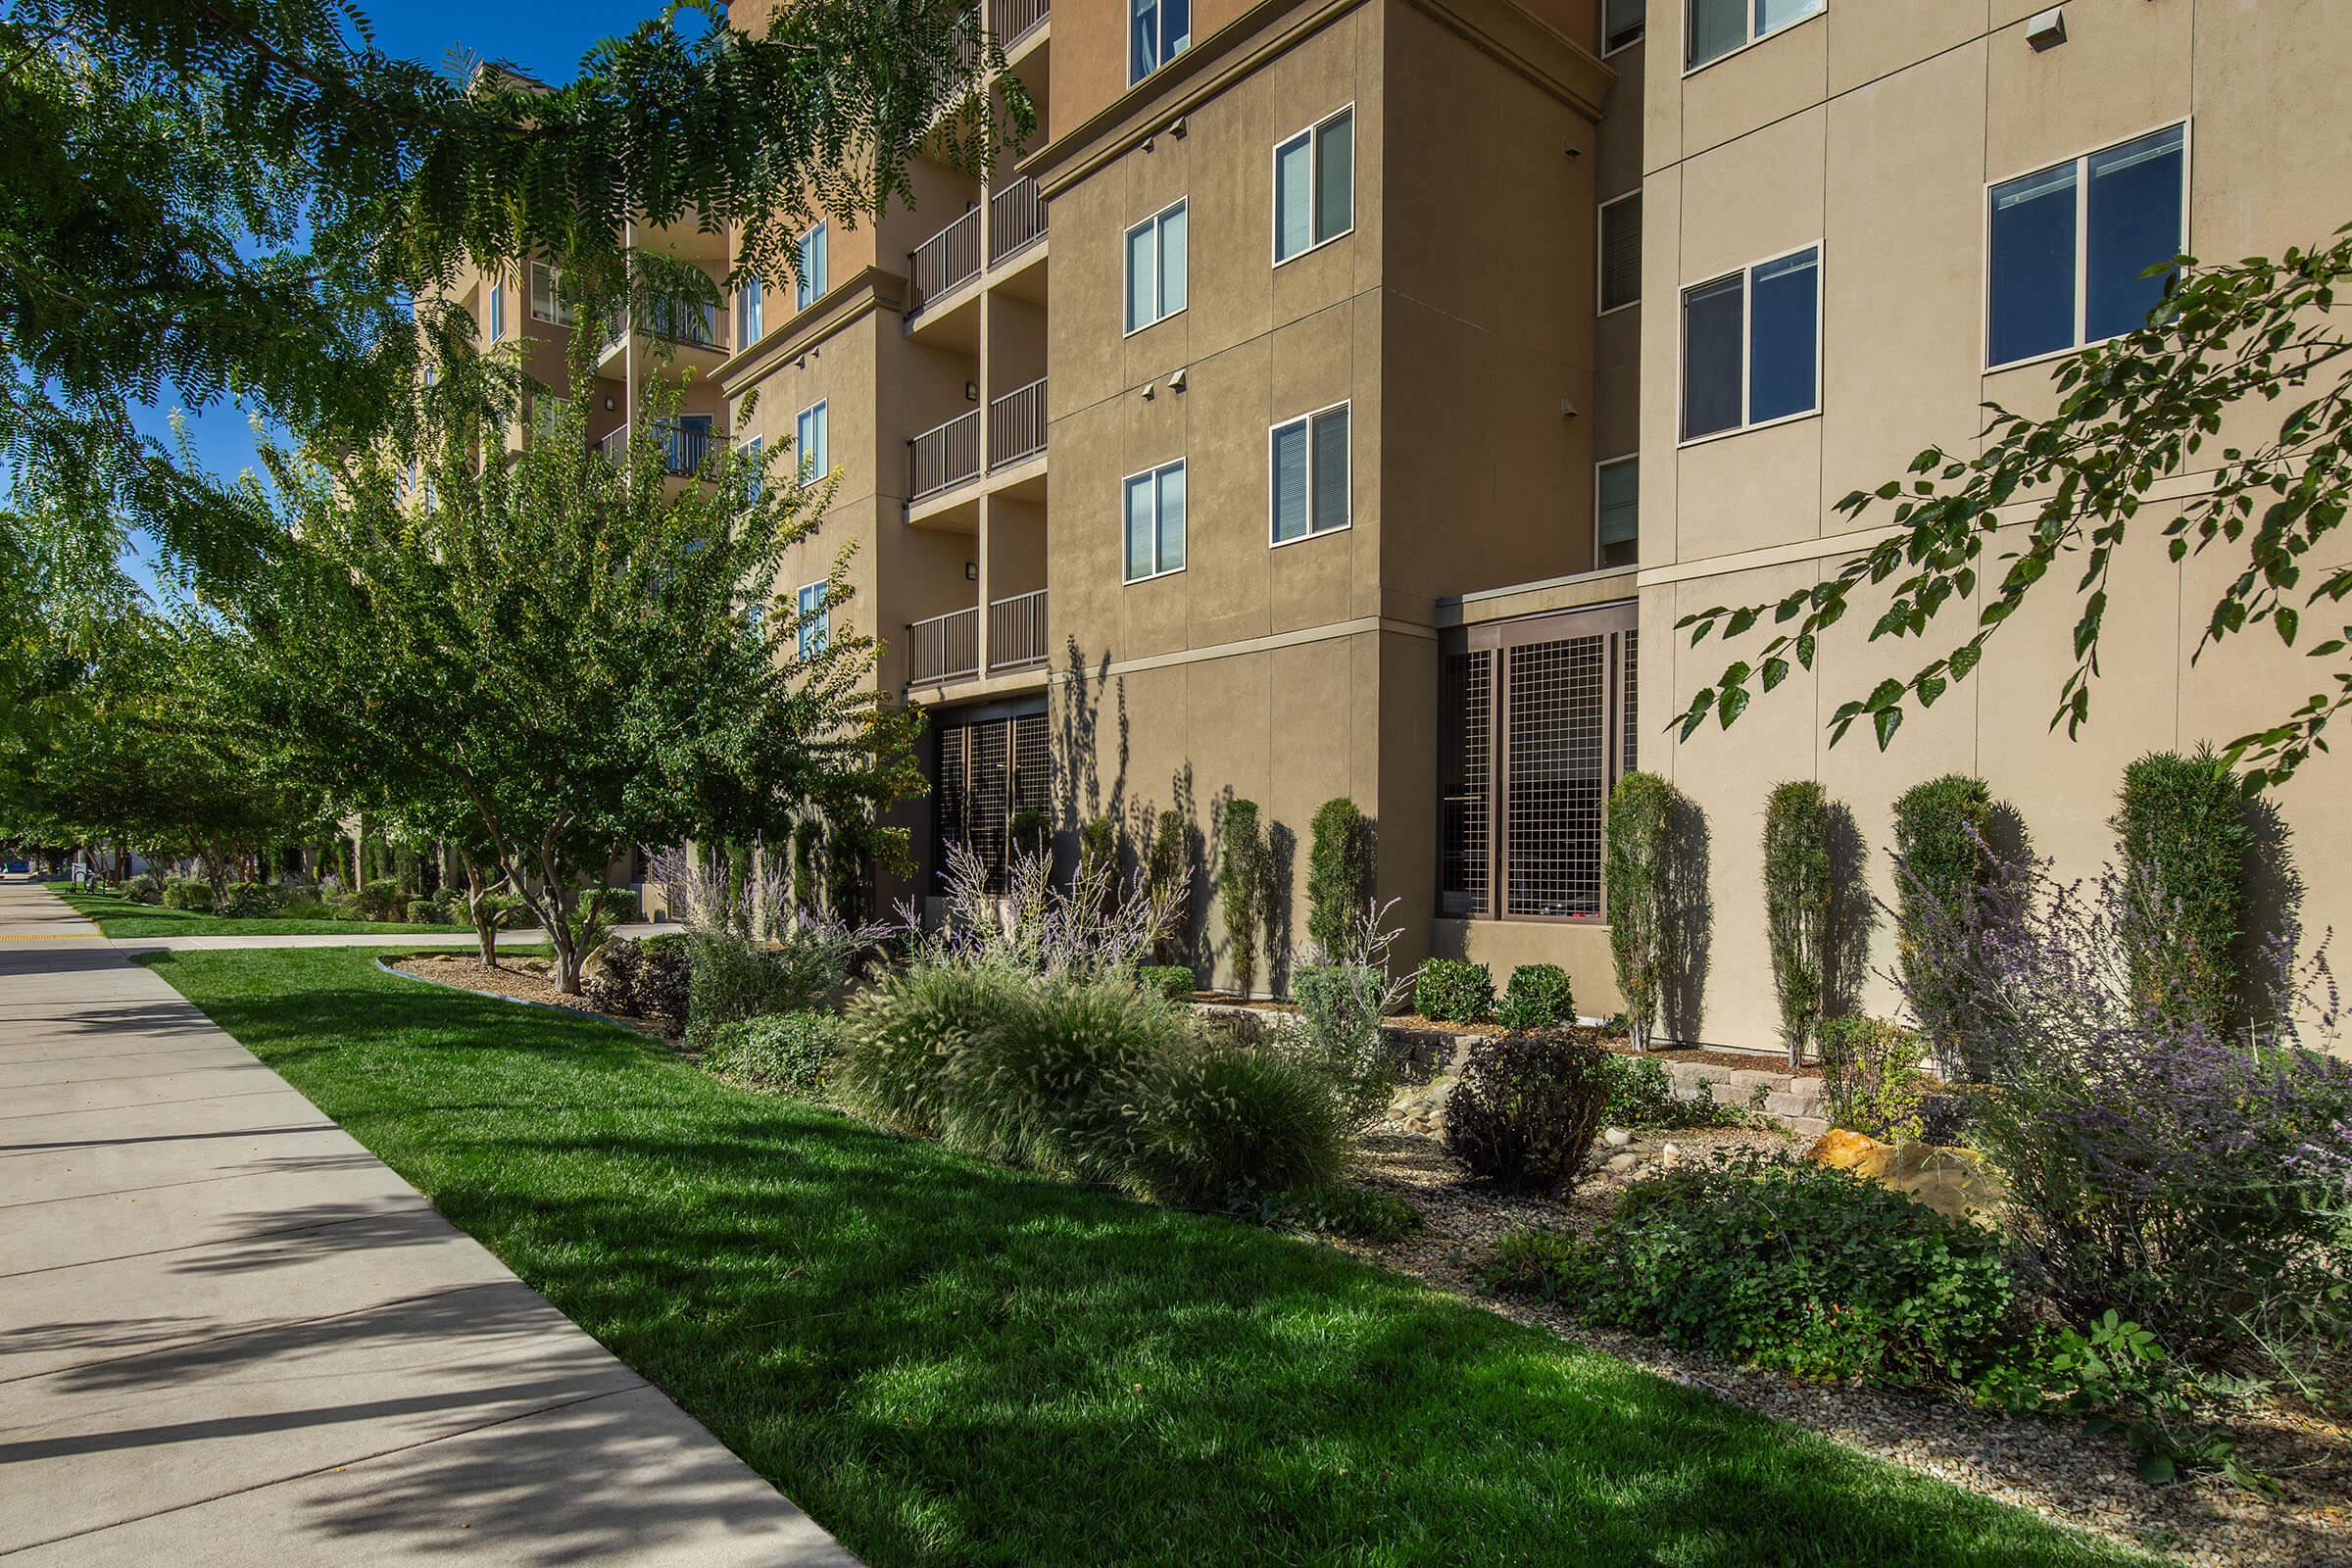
{"x": 2055, "y": 1468}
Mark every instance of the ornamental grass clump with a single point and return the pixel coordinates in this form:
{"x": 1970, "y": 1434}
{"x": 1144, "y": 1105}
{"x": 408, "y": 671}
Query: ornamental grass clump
{"x": 1218, "y": 1122}
{"x": 1526, "y": 1108}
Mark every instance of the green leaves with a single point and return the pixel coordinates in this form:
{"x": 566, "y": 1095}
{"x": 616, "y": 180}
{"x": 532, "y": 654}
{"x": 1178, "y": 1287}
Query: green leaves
{"x": 2133, "y": 415}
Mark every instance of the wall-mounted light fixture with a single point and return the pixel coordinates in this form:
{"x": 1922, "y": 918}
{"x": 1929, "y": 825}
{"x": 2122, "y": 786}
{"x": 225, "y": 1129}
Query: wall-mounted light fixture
{"x": 971, "y": 391}
{"x": 2047, "y": 29}
{"x": 971, "y": 571}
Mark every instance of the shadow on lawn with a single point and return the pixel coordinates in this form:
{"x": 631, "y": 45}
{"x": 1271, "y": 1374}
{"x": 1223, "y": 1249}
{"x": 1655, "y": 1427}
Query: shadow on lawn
{"x": 946, "y": 1361}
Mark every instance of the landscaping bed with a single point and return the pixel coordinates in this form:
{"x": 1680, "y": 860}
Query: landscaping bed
{"x": 118, "y": 916}
{"x": 2054, "y": 1467}
{"x": 518, "y": 977}
{"x": 950, "y": 1361}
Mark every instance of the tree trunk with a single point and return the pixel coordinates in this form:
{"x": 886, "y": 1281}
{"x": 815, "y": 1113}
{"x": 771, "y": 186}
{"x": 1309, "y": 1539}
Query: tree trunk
{"x": 477, "y": 891}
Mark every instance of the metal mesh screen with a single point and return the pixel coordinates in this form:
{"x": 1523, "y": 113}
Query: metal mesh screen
{"x": 985, "y": 814}
{"x": 1556, "y": 752}
{"x": 1466, "y": 695}
{"x": 1629, "y": 714}
{"x": 949, "y": 805}
{"x": 1032, "y": 764}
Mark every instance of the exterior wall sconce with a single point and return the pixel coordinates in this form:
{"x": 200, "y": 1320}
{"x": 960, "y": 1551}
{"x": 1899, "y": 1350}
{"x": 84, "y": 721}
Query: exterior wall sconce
{"x": 2047, "y": 29}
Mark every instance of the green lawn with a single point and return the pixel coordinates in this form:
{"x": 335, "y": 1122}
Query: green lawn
{"x": 949, "y": 1362}
{"x": 127, "y": 917}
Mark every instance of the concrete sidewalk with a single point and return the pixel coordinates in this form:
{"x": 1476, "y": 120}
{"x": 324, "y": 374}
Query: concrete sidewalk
{"x": 229, "y": 1335}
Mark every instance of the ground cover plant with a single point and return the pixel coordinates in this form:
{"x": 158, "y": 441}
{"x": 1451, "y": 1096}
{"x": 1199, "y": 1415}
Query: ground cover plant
{"x": 120, "y": 917}
{"x": 950, "y": 1361}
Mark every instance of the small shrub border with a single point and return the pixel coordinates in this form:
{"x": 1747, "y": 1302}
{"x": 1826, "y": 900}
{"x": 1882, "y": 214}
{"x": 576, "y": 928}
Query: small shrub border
{"x": 1538, "y": 996}
{"x": 1454, "y": 991}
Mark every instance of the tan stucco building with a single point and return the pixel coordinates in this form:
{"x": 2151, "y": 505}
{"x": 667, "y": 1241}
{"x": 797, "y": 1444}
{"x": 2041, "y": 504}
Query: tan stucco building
{"x": 1347, "y": 397}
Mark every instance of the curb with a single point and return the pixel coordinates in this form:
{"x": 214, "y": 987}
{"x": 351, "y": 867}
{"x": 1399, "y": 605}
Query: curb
{"x": 584, "y": 1014}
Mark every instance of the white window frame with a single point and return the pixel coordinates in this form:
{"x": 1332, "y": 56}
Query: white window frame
{"x": 802, "y": 463}
{"x": 1746, "y": 274}
{"x": 750, "y": 313}
{"x": 748, "y": 449}
{"x": 1306, "y": 420}
{"x": 1606, "y": 49}
{"x": 1600, "y": 256}
{"x": 1312, "y": 131}
{"x": 1161, "y": 53}
{"x": 2081, "y": 164}
{"x": 809, "y": 281}
{"x": 564, "y": 315}
{"x": 1158, "y": 266}
{"x": 1820, "y": 7}
{"x": 824, "y": 630}
{"x": 498, "y": 311}
{"x": 1598, "y": 545}
{"x": 1154, "y": 473}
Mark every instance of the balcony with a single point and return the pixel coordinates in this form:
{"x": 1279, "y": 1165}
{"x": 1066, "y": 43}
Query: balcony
{"x": 1016, "y": 218}
{"x": 684, "y": 326}
{"x": 944, "y": 457}
{"x": 944, "y": 262}
{"x": 943, "y": 648}
{"x": 1016, "y": 426}
{"x": 684, "y": 444}
{"x": 1012, "y": 21}
{"x": 1016, "y": 632}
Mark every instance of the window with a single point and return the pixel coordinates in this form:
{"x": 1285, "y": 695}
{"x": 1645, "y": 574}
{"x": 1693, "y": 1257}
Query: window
{"x": 1621, "y": 23}
{"x": 750, "y": 450}
{"x": 811, "y": 279}
{"x": 1157, "y": 31}
{"x": 1719, "y": 26}
{"x": 1752, "y": 345}
{"x": 2066, "y": 246}
{"x": 547, "y": 413}
{"x": 497, "y": 311}
{"x": 990, "y": 772}
{"x": 1621, "y": 252}
{"x": 547, "y": 302}
{"x": 1155, "y": 269}
{"x": 685, "y": 441}
{"x": 751, "y": 317}
{"x": 1617, "y": 513}
{"x": 814, "y": 618}
{"x": 1315, "y": 186}
{"x": 808, "y": 440}
{"x": 1309, "y": 474}
{"x": 1154, "y": 521}
{"x": 1536, "y": 723}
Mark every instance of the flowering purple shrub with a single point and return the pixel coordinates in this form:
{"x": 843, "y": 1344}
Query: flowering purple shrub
{"x": 2154, "y": 1165}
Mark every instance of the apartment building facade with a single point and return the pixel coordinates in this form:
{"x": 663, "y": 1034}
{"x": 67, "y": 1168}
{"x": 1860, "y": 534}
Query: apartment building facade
{"x": 1409, "y": 360}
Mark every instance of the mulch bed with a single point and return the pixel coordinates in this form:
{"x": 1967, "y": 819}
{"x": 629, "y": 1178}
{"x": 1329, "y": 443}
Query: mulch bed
{"x": 522, "y": 980}
{"x": 2053, "y": 1467}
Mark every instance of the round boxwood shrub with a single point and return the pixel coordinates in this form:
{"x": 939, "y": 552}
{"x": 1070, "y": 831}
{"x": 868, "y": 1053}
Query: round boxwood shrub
{"x": 1454, "y": 991}
{"x": 1526, "y": 1108}
{"x": 1538, "y": 996}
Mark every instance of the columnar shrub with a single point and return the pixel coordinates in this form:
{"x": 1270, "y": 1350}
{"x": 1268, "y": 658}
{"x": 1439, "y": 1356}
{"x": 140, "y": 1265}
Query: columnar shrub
{"x": 1871, "y": 1077}
{"x": 781, "y": 1052}
{"x": 1526, "y": 1108}
{"x": 1167, "y": 874}
{"x": 1339, "y": 875}
{"x": 1454, "y": 991}
{"x": 1943, "y": 875}
{"x": 2181, "y": 823}
{"x": 1635, "y": 873}
{"x": 1241, "y": 890}
{"x": 1538, "y": 996}
{"x": 1098, "y": 854}
{"x": 1786, "y": 1264}
{"x": 1798, "y": 895}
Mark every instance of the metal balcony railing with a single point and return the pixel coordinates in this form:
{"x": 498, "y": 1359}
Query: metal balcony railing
{"x": 1016, "y": 216}
{"x": 943, "y": 456}
{"x": 945, "y": 261}
{"x": 1017, "y": 424}
{"x": 698, "y": 325}
{"x": 1017, "y": 631}
{"x": 1011, "y": 20}
{"x": 944, "y": 646}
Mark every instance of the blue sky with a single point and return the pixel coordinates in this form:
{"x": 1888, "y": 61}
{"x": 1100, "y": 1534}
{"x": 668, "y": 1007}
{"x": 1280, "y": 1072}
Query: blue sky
{"x": 543, "y": 38}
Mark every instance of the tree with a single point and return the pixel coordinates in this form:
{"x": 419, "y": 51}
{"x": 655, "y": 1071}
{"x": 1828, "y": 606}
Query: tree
{"x": 2181, "y": 826}
{"x": 2134, "y": 414}
{"x": 1799, "y": 899}
{"x": 1168, "y": 876}
{"x": 1242, "y": 889}
{"x": 250, "y": 198}
{"x": 1339, "y": 875}
{"x": 1635, "y": 872}
{"x": 1945, "y": 878}
{"x": 581, "y": 655}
